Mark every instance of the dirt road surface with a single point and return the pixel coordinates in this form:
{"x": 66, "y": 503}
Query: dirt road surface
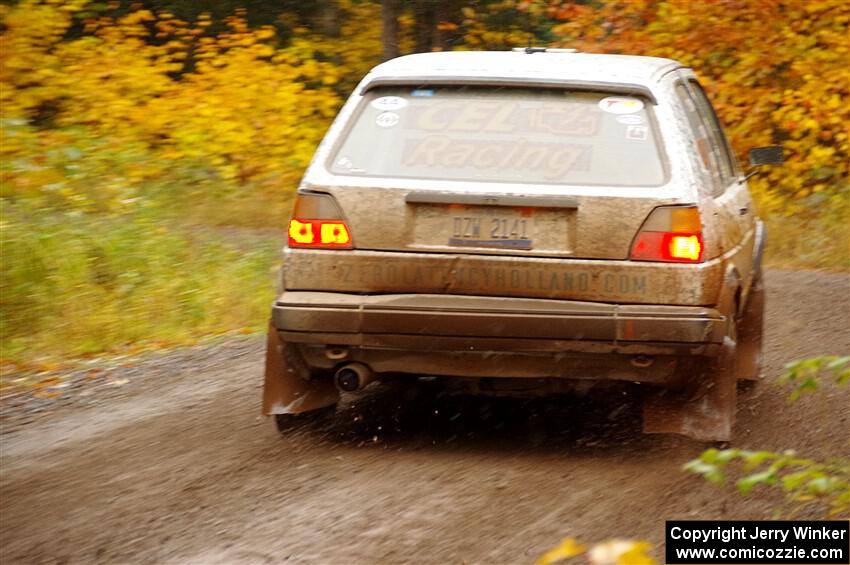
{"x": 167, "y": 460}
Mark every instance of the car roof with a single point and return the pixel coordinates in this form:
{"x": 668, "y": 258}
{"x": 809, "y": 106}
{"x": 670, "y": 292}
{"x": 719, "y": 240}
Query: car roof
{"x": 521, "y": 66}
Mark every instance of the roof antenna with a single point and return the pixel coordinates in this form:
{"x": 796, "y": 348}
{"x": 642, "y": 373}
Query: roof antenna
{"x": 530, "y": 49}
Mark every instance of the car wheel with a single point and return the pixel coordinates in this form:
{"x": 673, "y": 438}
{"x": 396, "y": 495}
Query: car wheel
{"x": 286, "y": 422}
{"x": 750, "y": 334}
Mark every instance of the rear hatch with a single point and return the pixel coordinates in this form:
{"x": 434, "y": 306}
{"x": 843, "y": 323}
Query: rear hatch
{"x": 487, "y": 170}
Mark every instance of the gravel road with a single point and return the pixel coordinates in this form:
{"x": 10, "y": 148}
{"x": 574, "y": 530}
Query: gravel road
{"x": 166, "y": 459}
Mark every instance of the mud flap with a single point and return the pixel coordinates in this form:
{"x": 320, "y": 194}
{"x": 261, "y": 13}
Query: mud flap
{"x": 750, "y": 334}
{"x": 706, "y": 413}
{"x": 288, "y": 388}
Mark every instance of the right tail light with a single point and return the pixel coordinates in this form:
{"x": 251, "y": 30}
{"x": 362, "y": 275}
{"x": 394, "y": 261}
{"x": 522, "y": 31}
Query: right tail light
{"x": 670, "y": 233}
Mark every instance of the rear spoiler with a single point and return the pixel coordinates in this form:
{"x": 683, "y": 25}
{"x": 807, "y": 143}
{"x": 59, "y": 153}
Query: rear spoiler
{"x": 424, "y": 80}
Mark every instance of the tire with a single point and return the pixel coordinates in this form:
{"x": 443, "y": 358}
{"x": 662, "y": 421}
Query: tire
{"x": 287, "y": 422}
{"x": 750, "y": 332}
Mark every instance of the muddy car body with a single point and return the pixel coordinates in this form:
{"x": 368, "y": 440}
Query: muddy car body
{"x": 523, "y": 221}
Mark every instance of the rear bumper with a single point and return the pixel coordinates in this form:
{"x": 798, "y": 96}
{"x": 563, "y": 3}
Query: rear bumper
{"x": 463, "y": 323}
{"x": 498, "y": 276}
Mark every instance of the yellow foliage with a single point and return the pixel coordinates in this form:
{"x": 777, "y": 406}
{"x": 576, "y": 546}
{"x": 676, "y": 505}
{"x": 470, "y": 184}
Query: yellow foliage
{"x": 776, "y": 71}
{"x": 569, "y": 547}
{"x": 166, "y": 96}
{"x": 611, "y": 552}
{"x": 123, "y": 109}
{"x": 621, "y": 552}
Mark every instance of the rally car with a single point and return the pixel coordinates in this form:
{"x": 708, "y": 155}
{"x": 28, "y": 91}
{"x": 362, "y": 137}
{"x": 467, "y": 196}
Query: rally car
{"x": 524, "y": 221}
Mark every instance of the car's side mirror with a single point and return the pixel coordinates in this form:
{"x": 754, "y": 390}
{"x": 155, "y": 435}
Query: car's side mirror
{"x": 769, "y": 155}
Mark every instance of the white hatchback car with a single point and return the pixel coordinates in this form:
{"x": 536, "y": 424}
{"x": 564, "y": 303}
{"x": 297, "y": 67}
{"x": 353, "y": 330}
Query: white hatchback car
{"x": 518, "y": 222}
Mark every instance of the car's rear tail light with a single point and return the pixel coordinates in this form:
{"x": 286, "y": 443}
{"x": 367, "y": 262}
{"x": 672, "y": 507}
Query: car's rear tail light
{"x": 670, "y": 233}
{"x": 685, "y": 247}
{"x": 317, "y": 223}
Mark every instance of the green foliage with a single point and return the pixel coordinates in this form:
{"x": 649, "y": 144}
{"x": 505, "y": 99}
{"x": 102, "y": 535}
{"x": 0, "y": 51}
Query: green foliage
{"x": 804, "y": 374}
{"x": 802, "y": 480}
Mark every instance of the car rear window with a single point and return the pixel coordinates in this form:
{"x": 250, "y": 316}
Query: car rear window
{"x": 502, "y": 135}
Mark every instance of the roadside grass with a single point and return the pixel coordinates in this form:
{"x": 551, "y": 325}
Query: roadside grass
{"x": 74, "y": 285}
{"x": 818, "y": 238}
{"x": 218, "y": 203}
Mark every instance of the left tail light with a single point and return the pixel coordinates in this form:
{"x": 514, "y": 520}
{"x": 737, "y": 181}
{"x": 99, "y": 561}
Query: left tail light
{"x": 317, "y": 223}
{"x": 670, "y": 233}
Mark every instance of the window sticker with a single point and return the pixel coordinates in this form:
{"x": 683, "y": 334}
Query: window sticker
{"x": 620, "y": 105}
{"x": 636, "y": 132}
{"x": 491, "y": 117}
{"x": 386, "y": 103}
{"x": 551, "y": 160}
{"x": 344, "y": 163}
{"x": 422, "y": 92}
{"x": 630, "y": 119}
{"x": 386, "y": 119}
{"x": 347, "y": 165}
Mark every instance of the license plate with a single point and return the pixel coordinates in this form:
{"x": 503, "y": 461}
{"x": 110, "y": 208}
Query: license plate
{"x": 509, "y": 231}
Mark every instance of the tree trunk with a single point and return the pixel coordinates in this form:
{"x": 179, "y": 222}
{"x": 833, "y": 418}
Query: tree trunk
{"x": 328, "y": 18}
{"x": 389, "y": 36}
{"x": 425, "y": 24}
{"x": 442, "y": 13}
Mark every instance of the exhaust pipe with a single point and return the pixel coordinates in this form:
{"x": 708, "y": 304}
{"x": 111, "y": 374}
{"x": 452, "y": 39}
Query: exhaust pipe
{"x": 353, "y": 376}
{"x": 642, "y": 361}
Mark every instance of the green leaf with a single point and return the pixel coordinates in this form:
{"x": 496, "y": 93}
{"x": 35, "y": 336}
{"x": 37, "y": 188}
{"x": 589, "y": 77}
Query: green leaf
{"x": 838, "y": 362}
{"x": 822, "y": 485}
{"x": 747, "y": 484}
{"x": 709, "y": 471}
{"x": 793, "y": 481}
{"x": 755, "y": 458}
{"x": 724, "y": 456}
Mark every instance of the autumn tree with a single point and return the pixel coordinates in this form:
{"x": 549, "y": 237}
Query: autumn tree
{"x": 776, "y": 70}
